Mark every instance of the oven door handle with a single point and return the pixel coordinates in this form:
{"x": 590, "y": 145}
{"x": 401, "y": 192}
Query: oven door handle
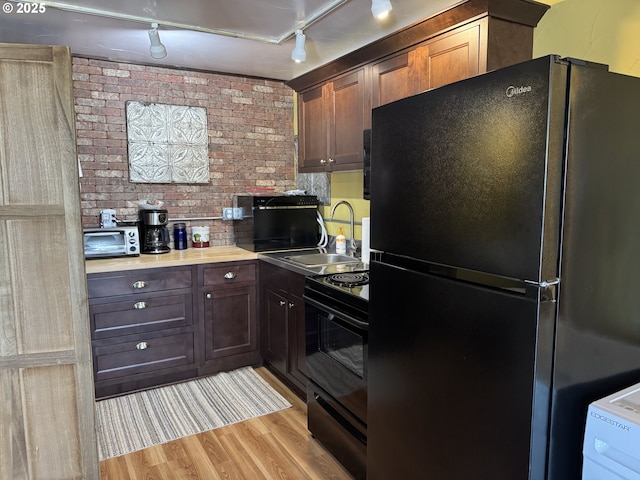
{"x": 336, "y": 314}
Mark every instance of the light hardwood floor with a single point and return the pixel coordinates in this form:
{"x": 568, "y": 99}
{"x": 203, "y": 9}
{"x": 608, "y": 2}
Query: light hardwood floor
{"x": 274, "y": 446}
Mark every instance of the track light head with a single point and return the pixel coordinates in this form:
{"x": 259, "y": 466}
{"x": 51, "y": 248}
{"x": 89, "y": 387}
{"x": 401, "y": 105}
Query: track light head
{"x": 157, "y": 49}
{"x": 381, "y": 8}
{"x": 299, "y": 54}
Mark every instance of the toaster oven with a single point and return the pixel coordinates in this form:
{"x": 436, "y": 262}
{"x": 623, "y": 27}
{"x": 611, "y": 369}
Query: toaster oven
{"x": 111, "y": 242}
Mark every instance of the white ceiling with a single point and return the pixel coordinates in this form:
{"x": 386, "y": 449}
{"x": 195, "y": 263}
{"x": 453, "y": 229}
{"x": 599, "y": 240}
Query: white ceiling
{"x": 246, "y": 37}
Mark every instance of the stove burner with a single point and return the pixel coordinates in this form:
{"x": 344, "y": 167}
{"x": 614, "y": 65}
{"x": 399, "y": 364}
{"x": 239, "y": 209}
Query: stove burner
{"x": 349, "y": 279}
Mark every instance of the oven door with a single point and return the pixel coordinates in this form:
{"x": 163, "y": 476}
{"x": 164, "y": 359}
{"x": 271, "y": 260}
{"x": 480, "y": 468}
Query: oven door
{"x": 104, "y": 244}
{"x": 337, "y": 345}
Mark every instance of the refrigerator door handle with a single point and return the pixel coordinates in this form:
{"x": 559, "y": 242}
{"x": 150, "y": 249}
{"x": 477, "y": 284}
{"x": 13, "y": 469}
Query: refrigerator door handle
{"x": 547, "y": 289}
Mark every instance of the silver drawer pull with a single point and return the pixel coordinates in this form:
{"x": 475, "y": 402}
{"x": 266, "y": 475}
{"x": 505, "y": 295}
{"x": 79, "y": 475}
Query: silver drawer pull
{"x": 139, "y": 284}
{"x": 291, "y": 305}
{"x": 209, "y": 295}
{"x": 140, "y": 305}
{"x": 282, "y": 303}
{"x": 230, "y": 275}
{"x": 142, "y": 346}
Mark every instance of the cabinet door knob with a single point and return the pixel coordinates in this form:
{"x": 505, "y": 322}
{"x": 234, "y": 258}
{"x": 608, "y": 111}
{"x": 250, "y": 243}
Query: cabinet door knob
{"x": 322, "y": 161}
{"x": 142, "y": 346}
{"x": 331, "y": 160}
{"x": 140, "y": 305}
{"x": 291, "y": 305}
{"x": 282, "y": 303}
{"x": 139, "y": 284}
{"x": 230, "y": 275}
{"x": 209, "y": 296}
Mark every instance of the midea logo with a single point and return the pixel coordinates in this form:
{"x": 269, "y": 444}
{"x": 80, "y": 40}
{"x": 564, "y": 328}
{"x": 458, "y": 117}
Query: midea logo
{"x": 511, "y": 90}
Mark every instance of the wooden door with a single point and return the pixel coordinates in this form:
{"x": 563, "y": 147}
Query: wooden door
{"x": 230, "y": 321}
{"x": 394, "y": 78}
{"x": 452, "y": 58}
{"x": 313, "y": 152}
{"x": 274, "y": 329}
{"x": 347, "y": 114}
{"x": 46, "y": 384}
{"x": 297, "y": 341}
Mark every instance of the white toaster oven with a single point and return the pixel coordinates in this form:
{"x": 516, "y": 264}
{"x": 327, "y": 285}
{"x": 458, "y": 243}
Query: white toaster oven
{"x": 111, "y": 242}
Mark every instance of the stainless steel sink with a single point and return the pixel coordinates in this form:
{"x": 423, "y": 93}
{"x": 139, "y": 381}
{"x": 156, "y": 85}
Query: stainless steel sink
{"x": 319, "y": 259}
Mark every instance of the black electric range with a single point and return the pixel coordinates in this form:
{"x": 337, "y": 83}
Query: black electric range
{"x": 337, "y": 331}
{"x": 342, "y": 288}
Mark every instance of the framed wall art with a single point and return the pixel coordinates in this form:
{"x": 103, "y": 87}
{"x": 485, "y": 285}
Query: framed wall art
{"x": 167, "y": 143}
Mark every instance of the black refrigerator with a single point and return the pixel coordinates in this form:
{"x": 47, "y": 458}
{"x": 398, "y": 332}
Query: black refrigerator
{"x": 507, "y": 296}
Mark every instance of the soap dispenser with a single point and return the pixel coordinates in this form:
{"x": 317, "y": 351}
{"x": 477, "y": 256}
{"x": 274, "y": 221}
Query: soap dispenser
{"x": 341, "y": 243}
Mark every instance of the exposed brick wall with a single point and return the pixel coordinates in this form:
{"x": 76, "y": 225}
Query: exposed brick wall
{"x": 250, "y": 138}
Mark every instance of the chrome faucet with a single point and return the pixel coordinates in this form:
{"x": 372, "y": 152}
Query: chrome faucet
{"x": 351, "y": 222}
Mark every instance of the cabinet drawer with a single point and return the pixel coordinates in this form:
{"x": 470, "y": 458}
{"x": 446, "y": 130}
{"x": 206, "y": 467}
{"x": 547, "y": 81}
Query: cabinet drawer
{"x": 139, "y": 314}
{"x": 138, "y": 281}
{"x": 141, "y": 353}
{"x": 229, "y": 274}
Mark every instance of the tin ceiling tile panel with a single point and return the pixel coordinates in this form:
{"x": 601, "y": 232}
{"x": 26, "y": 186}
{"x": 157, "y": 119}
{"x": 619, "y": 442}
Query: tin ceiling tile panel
{"x": 167, "y": 143}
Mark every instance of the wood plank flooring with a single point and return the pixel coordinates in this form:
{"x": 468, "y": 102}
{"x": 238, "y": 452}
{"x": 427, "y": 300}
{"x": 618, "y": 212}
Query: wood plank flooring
{"x": 274, "y": 446}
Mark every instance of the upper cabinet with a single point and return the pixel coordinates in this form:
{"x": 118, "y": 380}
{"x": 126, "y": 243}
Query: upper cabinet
{"x": 447, "y": 58}
{"x": 332, "y": 118}
{"x": 335, "y": 101}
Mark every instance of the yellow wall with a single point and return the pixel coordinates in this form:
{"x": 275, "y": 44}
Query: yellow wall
{"x": 346, "y": 186}
{"x": 603, "y": 31}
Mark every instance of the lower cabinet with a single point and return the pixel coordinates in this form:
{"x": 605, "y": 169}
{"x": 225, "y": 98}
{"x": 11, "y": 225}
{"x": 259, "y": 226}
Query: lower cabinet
{"x": 282, "y": 320}
{"x": 161, "y": 325}
{"x": 230, "y": 321}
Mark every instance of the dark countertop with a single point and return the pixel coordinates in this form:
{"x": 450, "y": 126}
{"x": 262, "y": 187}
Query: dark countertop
{"x": 279, "y": 259}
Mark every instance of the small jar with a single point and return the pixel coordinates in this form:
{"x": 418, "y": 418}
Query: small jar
{"x": 180, "y": 236}
{"x": 200, "y": 237}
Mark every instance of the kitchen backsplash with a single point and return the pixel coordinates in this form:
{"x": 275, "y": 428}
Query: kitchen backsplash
{"x": 250, "y": 127}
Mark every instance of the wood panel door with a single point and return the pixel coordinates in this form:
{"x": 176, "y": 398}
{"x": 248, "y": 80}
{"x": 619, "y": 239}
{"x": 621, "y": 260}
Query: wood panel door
{"x": 313, "y": 149}
{"x": 332, "y": 118}
{"x": 46, "y": 384}
{"x": 451, "y": 58}
{"x": 394, "y": 78}
{"x": 230, "y": 322}
{"x": 347, "y": 114}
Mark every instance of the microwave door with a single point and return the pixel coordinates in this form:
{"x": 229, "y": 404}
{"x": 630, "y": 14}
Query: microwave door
{"x": 104, "y": 244}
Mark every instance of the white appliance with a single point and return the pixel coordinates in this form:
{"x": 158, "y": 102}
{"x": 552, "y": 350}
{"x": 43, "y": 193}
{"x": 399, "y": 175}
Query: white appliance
{"x": 611, "y": 449}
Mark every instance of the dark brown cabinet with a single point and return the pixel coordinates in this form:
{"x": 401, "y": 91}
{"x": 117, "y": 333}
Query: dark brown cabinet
{"x": 142, "y": 328}
{"x": 282, "y": 320}
{"x": 451, "y": 57}
{"x": 229, "y": 317}
{"x": 332, "y": 117}
{"x": 161, "y": 325}
{"x": 335, "y": 101}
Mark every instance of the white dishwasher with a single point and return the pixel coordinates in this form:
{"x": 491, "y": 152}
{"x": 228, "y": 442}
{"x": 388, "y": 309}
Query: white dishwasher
{"x": 611, "y": 449}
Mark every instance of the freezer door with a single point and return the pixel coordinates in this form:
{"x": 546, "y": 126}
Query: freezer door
{"x": 470, "y": 174}
{"x": 458, "y": 379}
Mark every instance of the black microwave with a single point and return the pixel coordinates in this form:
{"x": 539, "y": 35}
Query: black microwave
{"x": 278, "y": 222}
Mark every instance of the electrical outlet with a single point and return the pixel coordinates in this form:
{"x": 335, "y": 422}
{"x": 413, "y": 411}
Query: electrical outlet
{"x": 237, "y": 213}
{"x": 227, "y": 213}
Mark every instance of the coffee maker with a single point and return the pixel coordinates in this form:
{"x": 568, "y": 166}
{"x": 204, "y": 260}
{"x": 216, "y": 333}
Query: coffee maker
{"x": 154, "y": 235}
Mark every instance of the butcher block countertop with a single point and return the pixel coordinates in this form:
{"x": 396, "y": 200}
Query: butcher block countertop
{"x": 174, "y": 258}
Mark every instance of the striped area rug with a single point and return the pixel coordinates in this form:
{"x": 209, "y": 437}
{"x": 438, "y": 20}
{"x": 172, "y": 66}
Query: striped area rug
{"x": 132, "y": 422}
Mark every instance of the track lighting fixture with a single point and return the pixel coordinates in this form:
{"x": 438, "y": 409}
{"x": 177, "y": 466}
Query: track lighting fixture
{"x": 380, "y": 8}
{"x": 299, "y": 54}
{"x": 157, "y": 49}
